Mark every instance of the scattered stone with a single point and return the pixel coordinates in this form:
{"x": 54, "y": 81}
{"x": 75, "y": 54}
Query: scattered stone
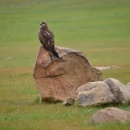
{"x": 59, "y": 80}
{"x": 106, "y": 67}
{"x": 110, "y": 114}
{"x": 94, "y": 93}
{"x": 127, "y": 87}
{"x": 68, "y": 102}
{"x": 118, "y": 89}
{"x": 9, "y": 58}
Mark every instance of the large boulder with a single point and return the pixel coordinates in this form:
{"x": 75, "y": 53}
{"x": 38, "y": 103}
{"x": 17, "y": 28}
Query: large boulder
{"x": 110, "y": 114}
{"x": 59, "y": 79}
{"x": 94, "y": 93}
{"x": 119, "y": 90}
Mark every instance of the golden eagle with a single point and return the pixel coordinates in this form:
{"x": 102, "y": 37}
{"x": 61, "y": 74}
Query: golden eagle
{"x": 46, "y": 38}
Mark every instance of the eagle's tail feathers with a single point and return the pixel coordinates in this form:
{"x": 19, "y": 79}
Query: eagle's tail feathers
{"x": 55, "y": 54}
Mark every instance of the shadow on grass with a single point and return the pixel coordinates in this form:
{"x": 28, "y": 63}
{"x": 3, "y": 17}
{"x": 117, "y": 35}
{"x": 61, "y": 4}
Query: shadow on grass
{"x": 101, "y": 106}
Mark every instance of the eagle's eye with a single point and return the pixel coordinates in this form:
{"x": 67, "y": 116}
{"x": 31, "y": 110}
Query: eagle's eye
{"x": 42, "y": 23}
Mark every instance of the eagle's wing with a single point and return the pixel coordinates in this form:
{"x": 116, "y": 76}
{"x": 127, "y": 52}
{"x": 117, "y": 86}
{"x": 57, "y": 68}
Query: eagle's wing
{"x": 47, "y": 39}
{"x": 42, "y": 37}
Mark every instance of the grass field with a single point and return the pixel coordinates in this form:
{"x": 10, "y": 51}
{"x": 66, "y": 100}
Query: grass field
{"x": 100, "y": 29}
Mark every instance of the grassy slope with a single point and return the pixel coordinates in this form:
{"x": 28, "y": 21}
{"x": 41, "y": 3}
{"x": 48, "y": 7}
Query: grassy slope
{"x": 100, "y": 29}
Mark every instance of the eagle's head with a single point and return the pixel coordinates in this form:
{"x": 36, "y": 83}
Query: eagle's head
{"x": 43, "y": 24}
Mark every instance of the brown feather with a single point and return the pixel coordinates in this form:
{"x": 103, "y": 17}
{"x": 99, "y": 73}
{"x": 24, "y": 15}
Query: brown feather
{"x": 46, "y": 38}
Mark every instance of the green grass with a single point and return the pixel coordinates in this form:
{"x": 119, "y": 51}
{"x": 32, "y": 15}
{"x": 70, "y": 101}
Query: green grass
{"x": 100, "y": 29}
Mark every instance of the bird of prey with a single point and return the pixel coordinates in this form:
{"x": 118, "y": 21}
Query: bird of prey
{"x": 46, "y": 38}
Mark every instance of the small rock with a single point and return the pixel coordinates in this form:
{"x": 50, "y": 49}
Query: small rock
{"x": 127, "y": 87}
{"x": 118, "y": 89}
{"x": 68, "y": 102}
{"x": 94, "y": 93}
{"x": 106, "y": 67}
{"x": 9, "y": 58}
{"x": 110, "y": 114}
